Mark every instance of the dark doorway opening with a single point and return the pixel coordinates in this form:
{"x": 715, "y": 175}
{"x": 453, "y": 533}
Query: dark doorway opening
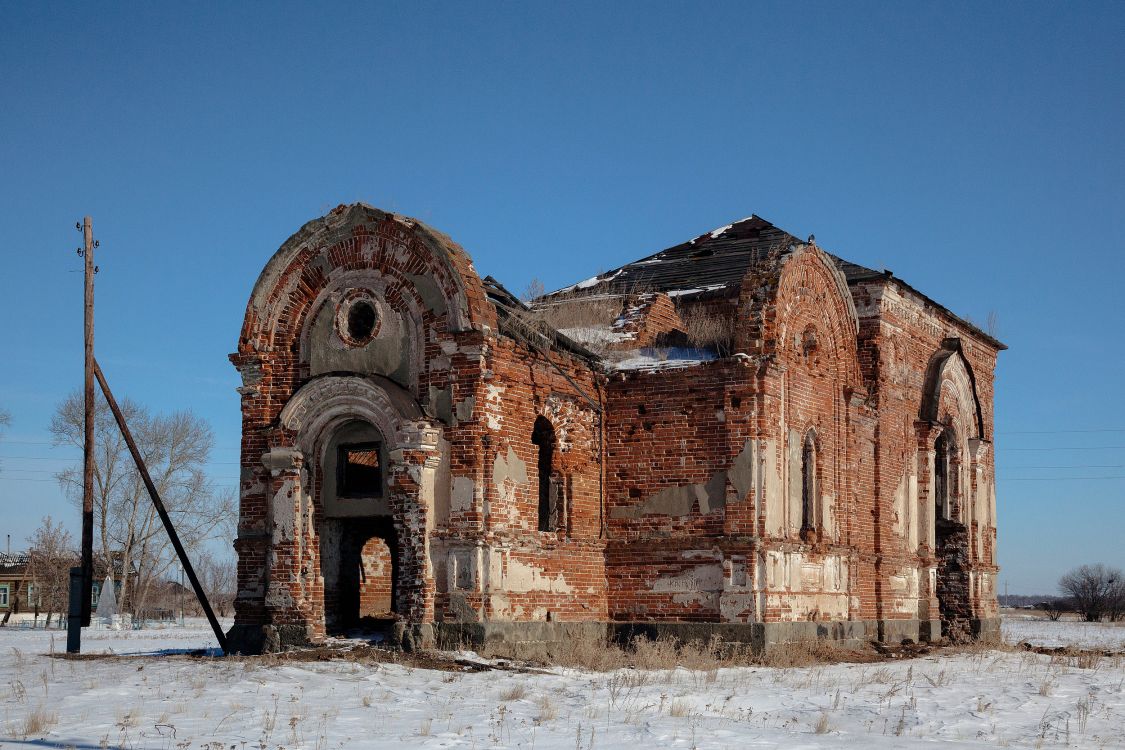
{"x": 361, "y": 595}
{"x": 951, "y": 539}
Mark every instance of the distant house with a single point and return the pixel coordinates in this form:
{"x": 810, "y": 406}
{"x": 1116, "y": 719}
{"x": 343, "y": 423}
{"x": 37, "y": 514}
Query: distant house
{"x": 16, "y": 588}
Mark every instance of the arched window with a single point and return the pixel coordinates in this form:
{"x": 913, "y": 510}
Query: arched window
{"x": 808, "y": 482}
{"x": 543, "y": 436}
{"x": 943, "y": 485}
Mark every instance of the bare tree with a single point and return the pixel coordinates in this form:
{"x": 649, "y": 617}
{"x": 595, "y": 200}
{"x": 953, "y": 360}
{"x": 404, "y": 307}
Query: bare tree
{"x": 1097, "y": 591}
{"x": 50, "y": 558}
{"x": 1056, "y": 607}
{"x": 534, "y": 291}
{"x": 219, "y": 578}
{"x": 175, "y": 448}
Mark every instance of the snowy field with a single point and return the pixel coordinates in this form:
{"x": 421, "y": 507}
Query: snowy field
{"x": 1019, "y": 628}
{"x": 133, "y": 699}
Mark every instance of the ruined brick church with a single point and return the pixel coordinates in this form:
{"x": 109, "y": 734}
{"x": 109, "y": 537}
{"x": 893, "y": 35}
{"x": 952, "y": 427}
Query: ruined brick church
{"x": 740, "y": 436}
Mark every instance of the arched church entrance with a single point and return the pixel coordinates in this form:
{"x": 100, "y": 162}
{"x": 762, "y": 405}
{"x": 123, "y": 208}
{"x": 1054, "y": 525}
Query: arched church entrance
{"x": 364, "y": 591}
{"x": 359, "y": 550}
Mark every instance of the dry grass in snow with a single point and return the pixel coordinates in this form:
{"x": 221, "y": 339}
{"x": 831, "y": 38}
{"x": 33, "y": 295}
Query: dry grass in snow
{"x": 977, "y": 697}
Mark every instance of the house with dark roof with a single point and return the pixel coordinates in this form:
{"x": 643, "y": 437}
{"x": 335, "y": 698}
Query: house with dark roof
{"x": 742, "y": 436}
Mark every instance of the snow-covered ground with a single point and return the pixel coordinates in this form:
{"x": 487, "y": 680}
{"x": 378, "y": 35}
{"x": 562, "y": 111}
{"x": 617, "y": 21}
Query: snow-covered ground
{"x": 1034, "y": 629}
{"x": 981, "y": 698}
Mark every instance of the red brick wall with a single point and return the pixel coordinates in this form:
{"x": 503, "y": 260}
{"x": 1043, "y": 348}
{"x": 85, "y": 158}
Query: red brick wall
{"x": 375, "y": 579}
{"x": 676, "y": 484}
{"x": 527, "y": 574}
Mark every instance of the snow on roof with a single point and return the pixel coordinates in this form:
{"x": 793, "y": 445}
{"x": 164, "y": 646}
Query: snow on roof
{"x": 592, "y": 281}
{"x": 651, "y": 359}
{"x": 699, "y": 290}
{"x": 719, "y": 232}
{"x": 602, "y": 334}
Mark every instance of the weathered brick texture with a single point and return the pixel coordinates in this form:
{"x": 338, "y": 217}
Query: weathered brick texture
{"x": 791, "y": 477}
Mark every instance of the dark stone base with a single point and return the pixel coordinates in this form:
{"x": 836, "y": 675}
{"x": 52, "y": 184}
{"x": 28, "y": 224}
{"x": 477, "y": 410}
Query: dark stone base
{"x": 929, "y": 631}
{"x": 540, "y": 640}
{"x": 245, "y": 639}
{"x": 546, "y": 640}
{"x": 986, "y": 630}
{"x": 266, "y": 639}
{"x": 520, "y": 640}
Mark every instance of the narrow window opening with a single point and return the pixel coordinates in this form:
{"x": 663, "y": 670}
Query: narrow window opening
{"x": 359, "y": 471}
{"x": 941, "y": 476}
{"x": 543, "y": 436}
{"x": 808, "y": 483}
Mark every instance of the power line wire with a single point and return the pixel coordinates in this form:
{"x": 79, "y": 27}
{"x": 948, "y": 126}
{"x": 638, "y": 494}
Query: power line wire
{"x": 72, "y": 460}
{"x": 1076, "y": 448}
{"x": 1059, "y": 432}
{"x": 1053, "y": 479}
{"x": 1067, "y": 466}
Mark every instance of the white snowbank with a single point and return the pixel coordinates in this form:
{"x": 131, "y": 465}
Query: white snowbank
{"x": 1042, "y": 632}
{"x": 985, "y": 699}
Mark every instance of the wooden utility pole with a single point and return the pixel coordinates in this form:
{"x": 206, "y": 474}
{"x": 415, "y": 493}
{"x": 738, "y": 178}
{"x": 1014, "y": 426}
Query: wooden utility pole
{"x": 88, "y": 441}
{"x": 142, "y": 469}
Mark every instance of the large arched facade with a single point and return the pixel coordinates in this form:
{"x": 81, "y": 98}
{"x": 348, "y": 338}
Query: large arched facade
{"x": 776, "y": 445}
{"x": 955, "y": 507}
{"x": 810, "y": 330}
{"x": 336, "y": 355}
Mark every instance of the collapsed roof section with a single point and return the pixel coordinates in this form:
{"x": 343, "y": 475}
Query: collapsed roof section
{"x": 714, "y": 263}
{"x": 710, "y": 266}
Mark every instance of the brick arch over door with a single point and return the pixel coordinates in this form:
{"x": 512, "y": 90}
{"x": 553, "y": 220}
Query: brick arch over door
{"x": 950, "y": 421}
{"x": 308, "y": 422}
{"x": 419, "y": 263}
{"x": 951, "y": 374}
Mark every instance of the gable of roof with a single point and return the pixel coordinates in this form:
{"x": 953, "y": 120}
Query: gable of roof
{"x": 713, "y": 262}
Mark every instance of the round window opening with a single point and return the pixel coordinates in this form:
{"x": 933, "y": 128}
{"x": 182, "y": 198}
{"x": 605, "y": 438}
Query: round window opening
{"x": 361, "y": 321}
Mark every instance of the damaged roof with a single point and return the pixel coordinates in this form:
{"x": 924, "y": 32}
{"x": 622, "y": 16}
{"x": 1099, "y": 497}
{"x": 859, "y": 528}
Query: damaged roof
{"x": 715, "y": 261}
{"x": 708, "y": 263}
{"x": 515, "y": 319}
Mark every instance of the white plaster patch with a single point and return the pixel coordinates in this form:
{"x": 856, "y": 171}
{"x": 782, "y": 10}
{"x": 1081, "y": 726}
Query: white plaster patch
{"x": 828, "y": 506}
{"x": 809, "y": 607}
{"x": 508, "y": 472}
{"x": 284, "y": 513}
{"x": 699, "y": 578}
{"x": 900, "y": 506}
{"x": 493, "y": 406}
{"x": 462, "y": 496}
{"x": 771, "y": 483}
{"x": 521, "y": 578}
{"x": 736, "y": 607}
{"x": 706, "y": 598}
{"x": 812, "y": 576}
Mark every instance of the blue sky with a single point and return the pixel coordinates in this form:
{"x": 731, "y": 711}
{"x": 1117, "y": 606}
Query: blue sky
{"x": 975, "y": 149}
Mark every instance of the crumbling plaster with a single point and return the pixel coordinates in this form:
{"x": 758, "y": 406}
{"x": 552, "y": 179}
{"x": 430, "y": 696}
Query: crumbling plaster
{"x": 679, "y": 488}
